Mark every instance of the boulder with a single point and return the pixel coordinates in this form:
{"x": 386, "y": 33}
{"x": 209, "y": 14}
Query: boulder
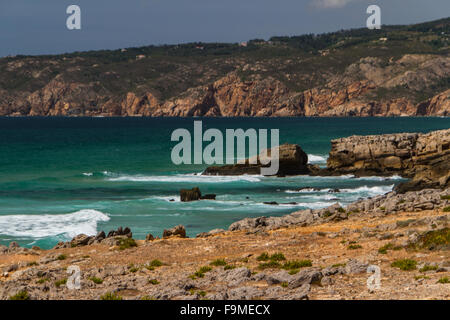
{"x": 292, "y": 161}
{"x": 80, "y": 240}
{"x": 179, "y": 231}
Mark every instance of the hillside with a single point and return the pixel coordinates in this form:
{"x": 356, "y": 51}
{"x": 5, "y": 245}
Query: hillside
{"x": 398, "y": 70}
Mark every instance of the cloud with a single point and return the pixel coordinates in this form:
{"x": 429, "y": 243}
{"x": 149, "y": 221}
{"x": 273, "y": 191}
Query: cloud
{"x": 330, "y": 3}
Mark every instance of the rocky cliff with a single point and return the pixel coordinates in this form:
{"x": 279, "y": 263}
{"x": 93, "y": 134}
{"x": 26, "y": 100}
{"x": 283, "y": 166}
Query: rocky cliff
{"x": 392, "y": 72}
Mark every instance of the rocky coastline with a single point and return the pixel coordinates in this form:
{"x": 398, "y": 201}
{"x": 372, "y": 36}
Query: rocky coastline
{"x": 308, "y": 254}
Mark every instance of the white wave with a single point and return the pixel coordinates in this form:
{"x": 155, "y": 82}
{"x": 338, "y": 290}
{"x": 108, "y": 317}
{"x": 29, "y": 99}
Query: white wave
{"x": 47, "y": 225}
{"x": 377, "y": 190}
{"x": 307, "y": 190}
{"x": 88, "y": 174}
{"x": 166, "y": 198}
{"x": 312, "y": 158}
{"x": 197, "y": 178}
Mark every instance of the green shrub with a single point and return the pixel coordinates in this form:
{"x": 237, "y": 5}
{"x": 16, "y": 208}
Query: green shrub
{"x": 296, "y": 264}
{"x": 277, "y": 257}
{"x": 443, "y": 280}
{"x": 446, "y": 209}
{"x": 337, "y": 265}
{"x": 269, "y": 265}
{"x": 96, "y": 280}
{"x": 21, "y": 295}
{"x": 384, "y": 249}
{"x": 293, "y": 271}
{"x": 155, "y": 263}
{"x": 354, "y": 246}
{"x": 61, "y": 257}
{"x": 263, "y": 257}
{"x": 405, "y": 264}
{"x": 60, "y": 282}
{"x": 32, "y": 263}
{"x": 110, "y": 296}
{"x": 229, "y": 267}
{"x": 284, "y": 284}
{"x": 218, "y": 262}
{"x": 153, "y": 281}
{"x": 446, "y": 197}
{"x": 427, "y": 267}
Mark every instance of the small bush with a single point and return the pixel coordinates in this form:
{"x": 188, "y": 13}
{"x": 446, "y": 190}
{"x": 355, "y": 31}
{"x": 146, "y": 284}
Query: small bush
{"x": 293, "y": 271}
{"x": 110, "y": 296}
{"x": 61, "y": 257}
{"x": 229, "y": 267}
{"x": 354, "y": 246}
{"x": 153, "y": 281}
{"x": 61, "y": 282}
{"x": 155, "y": 263}
{"x": 96, "y": 280}
{"x": 32, "y": 263}
{"x": 201, "y": 293}
{"x": 127, "y": 243}
{"x": 284, "y": 284}
{"x": 443, "y": 280}
{"x": 201, "y": 272}
{"x": 277, "y": 257}
{"x": 147, "y": 298}
{"x": 218, "y": 262}
{"x": 263, "y": 257}
{"x": 405, "y": 264}
{"x": 337, "y": 265}
{"x": 384, "y": 249}
{"x": 427, "y": 267}
{"x": 446, "y": 197}
{"x": 269, "y": 265}
{"x": 21, "y": 295}
{"x": 341, "y": 210}
{"x": 446, "y": 209}
{"x": 295, "y": 264}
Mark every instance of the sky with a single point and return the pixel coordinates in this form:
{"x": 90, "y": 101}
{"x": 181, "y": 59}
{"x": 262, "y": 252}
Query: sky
{"x": 39, "y": 26}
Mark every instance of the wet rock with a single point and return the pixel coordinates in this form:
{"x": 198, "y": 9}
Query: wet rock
{"x": 208, "y": 197}
{"x": 190, "y": 195}
{"x": 179, "y": 231}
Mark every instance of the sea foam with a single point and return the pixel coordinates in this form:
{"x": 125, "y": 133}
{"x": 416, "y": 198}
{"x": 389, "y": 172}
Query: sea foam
{"x": 47, "y": 225}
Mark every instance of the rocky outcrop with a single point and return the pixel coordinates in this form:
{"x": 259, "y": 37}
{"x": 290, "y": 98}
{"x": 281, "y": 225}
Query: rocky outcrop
{"x": 391, "y": 203}
{"x": 423, "y": 157}
{"x": 292, "y": 160}
{"x": 178, "y": 231}
{"x": 355, "y": 92}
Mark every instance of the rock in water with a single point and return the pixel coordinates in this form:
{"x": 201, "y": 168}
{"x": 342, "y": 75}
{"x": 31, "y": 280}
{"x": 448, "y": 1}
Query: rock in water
{"x": 292, "y": 161}
{"x": 190, "y": 195}
{"x": 175, "y": 231}
{"x": 423, "y": 157}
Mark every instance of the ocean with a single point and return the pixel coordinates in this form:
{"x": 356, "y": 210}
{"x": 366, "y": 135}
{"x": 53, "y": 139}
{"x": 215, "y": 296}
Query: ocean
{"x": 60, "y": 177}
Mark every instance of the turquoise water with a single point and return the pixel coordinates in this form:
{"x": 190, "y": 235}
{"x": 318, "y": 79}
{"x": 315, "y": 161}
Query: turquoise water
{"x": 63, "y": 176}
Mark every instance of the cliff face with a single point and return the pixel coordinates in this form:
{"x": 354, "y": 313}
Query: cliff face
{"x": 366, "y": 88}
{"x": 423, "y": 157}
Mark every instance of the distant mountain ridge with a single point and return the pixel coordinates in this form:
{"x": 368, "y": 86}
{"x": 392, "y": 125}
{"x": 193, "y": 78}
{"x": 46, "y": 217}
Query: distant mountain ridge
{"x": 395, "y": 71}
